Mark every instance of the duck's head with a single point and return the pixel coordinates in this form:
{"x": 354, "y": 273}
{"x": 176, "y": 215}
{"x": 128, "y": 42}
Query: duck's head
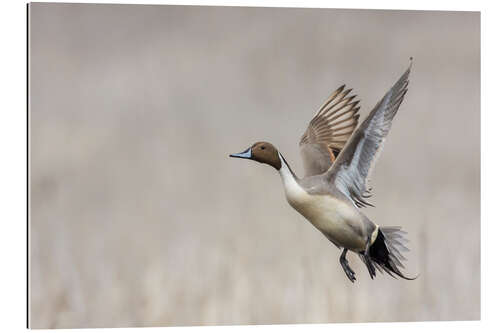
{"x": 262, "y": 152}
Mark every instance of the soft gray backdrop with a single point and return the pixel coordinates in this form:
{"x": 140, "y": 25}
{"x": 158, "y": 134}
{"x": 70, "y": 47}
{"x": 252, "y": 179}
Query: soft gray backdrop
{"x": 138, "y": 216}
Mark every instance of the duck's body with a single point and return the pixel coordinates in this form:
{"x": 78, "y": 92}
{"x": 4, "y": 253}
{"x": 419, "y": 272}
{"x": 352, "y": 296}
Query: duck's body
{"x": 338, "y": 161}
{"x": 327, "y": 210}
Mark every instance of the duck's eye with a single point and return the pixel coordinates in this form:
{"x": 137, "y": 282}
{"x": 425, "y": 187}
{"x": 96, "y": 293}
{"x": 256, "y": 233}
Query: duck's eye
{"x": 262, "y": 147}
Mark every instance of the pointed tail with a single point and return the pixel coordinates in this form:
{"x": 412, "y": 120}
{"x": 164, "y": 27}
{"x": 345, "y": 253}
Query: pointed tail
{"x": 386, "y": 252}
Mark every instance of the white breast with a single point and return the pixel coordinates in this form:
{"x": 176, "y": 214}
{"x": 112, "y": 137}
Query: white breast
{"x": 327, "y": 213}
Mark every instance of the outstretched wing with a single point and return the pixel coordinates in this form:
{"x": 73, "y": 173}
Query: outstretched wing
{"x": 353, "y": 166}
{"x": 328, "y": 131}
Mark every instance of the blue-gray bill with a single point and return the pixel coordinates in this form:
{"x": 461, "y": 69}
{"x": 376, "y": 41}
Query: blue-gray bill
{"x": 245, "y": 154}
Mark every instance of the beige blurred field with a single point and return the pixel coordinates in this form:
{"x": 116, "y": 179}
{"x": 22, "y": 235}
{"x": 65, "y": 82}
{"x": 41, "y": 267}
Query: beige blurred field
{"x": 138, "y": 216}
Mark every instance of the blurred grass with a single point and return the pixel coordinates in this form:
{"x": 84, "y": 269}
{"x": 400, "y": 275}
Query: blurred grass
{"x": 138, "y": 217}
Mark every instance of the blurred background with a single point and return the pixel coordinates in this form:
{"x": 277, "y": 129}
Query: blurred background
{"x": 138, "y": 216}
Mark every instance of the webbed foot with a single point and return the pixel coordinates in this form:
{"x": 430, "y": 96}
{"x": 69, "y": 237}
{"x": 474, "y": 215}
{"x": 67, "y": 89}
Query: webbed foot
{"x": 345, "y": 265}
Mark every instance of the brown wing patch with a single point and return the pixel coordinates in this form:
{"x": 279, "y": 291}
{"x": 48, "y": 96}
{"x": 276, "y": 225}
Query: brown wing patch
{"x": 334, "y": 122}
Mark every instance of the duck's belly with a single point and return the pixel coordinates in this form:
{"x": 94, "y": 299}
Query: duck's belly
{"x": 339, "y": 221}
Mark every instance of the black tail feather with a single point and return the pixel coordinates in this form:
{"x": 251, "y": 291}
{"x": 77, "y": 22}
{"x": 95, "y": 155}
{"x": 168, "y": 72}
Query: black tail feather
{"x": 385, "y": 253}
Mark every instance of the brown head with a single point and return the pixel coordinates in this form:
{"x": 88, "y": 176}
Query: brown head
{"x": 262, "y": 152}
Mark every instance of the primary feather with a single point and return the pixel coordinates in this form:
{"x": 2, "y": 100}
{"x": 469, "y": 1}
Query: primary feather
{"x": 328, "y": 131}
{"x": 353, "y": 166}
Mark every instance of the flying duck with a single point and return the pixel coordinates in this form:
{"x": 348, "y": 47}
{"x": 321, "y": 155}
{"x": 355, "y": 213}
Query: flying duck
{"x": 338, "y": 161}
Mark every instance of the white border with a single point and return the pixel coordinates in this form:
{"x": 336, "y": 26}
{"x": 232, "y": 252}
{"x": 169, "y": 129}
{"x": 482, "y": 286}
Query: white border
{"x": 13, "y": 165}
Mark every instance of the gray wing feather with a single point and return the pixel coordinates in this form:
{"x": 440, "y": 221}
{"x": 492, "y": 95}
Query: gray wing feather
{"x": 352, "y": 168}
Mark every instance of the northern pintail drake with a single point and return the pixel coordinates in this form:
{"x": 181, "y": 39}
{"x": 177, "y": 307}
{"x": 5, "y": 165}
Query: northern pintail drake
{"x": 338, "y": 161}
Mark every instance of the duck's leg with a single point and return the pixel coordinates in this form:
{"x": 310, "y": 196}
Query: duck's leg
{"x": 368, "y": 260}
{"x": 345, "y": 265}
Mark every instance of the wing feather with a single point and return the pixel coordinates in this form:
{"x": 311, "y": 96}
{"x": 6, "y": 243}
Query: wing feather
{"x": 328, "y": 131}
{"x": 353, "y": 166}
